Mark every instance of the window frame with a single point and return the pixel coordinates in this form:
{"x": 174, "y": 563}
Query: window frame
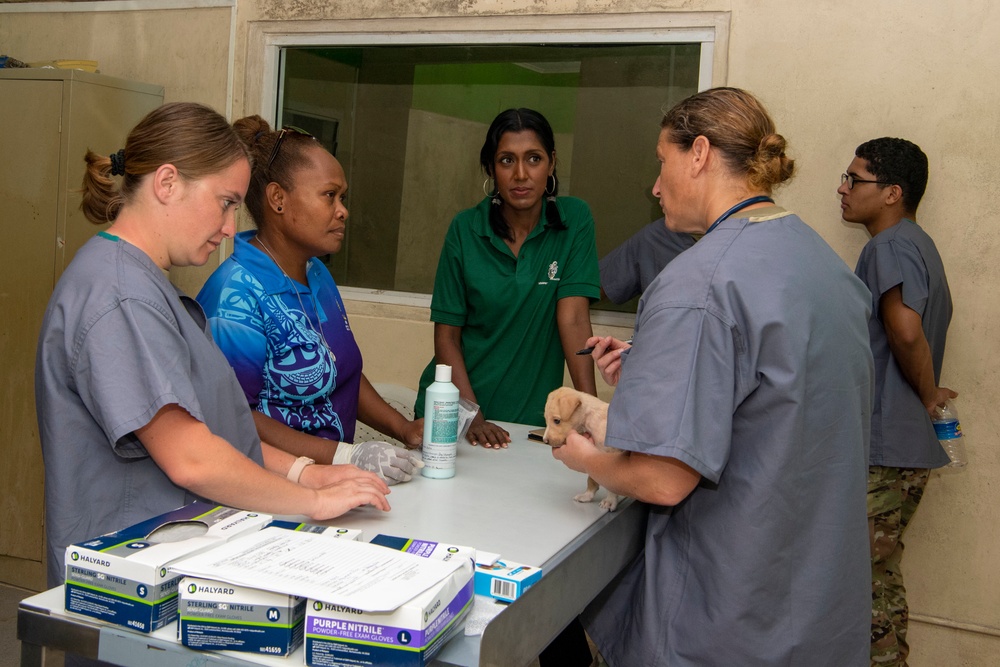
{"x": 267, "y": 39}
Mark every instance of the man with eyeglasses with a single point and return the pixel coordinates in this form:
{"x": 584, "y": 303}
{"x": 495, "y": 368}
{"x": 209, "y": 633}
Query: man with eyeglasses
{"x": 911, "y": 310}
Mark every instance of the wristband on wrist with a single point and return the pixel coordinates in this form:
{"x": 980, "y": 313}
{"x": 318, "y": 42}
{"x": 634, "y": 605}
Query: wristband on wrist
{"x": 343, "y": 453}
{"x": 295, "y": 472}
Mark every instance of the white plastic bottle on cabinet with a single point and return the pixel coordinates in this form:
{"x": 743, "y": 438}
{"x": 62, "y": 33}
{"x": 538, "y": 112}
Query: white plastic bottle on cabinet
{"x": 440, "y": 425}
{"x": 949, "y": 434}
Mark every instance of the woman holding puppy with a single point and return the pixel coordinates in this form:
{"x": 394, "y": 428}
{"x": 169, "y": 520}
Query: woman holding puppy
{"x": 743, "y": 407}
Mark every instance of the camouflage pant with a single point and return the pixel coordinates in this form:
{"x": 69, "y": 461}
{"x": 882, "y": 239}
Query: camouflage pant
{"x": 893, "y": 495}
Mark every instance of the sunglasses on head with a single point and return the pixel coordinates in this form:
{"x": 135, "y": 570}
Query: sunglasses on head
{"x": 281, "y": 137}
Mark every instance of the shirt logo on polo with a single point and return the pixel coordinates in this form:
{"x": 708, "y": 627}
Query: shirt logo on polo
{"x": 551, "y": 273}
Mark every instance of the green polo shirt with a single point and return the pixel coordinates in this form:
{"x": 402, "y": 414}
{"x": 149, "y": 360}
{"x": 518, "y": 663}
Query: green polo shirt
{"x": 506, "y": 305}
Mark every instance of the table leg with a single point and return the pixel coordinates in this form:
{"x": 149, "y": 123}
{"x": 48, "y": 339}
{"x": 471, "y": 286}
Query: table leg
{"x": 520, "y": 632}
{"x": 32, "y": 655}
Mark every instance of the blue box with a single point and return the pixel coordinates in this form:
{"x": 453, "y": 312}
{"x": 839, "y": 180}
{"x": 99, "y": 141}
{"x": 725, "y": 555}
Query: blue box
{"x": 219, "y": 616}
{"x": 505, "y": 580}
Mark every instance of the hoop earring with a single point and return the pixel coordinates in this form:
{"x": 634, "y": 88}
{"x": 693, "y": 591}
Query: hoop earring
{"x": 551, "y": 191}
{"x": 494, "y": 196}
{"x": 486, "y": 192}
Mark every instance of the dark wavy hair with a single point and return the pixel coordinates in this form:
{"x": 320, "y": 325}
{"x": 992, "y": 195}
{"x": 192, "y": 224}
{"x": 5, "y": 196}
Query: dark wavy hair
{"x": 897, "y": 162}
{"x": 519, "y": 120}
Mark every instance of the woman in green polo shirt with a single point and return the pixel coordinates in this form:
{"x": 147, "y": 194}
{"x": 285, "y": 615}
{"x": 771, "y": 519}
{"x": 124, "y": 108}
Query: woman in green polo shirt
{"x": 514, "y": 283}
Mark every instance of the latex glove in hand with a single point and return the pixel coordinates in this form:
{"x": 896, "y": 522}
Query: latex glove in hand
{"x": 392, "y": 464}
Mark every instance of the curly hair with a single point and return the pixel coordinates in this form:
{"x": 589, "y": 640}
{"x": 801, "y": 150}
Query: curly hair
{"x": 897, "y": 162}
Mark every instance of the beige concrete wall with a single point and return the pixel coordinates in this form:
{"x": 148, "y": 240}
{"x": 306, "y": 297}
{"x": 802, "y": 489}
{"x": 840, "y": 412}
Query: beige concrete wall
{"x": 184, "y": 50}
{"x": 833, "y": 75}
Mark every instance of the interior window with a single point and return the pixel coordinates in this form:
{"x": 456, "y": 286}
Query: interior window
{"x": 407, "y": 123}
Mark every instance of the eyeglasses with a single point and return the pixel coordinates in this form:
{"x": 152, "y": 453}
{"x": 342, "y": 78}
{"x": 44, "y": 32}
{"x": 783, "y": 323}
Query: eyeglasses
{"x": 851, "y": 180}
{"x": 281, "y": 137}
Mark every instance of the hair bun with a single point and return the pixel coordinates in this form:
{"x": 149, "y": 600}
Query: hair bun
{"x": 771, "y": 146}
{"x": 251, "y": 130}
{"x": 736, "y": 123}
{"x": 770, "y": 166}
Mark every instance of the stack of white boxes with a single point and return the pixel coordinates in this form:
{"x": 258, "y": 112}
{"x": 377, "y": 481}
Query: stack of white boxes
{"x": 409, "y": 636}
{"x": 122, "y": 577}
{"x": 215, "y": 615}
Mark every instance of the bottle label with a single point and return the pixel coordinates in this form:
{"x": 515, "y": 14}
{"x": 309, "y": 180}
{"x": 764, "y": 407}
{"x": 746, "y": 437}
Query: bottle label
{"x": 439, "y": 456}
{"x": 440, "y": 450}
{"x": 444, "y": 422}
{"x": 948, "y": 430}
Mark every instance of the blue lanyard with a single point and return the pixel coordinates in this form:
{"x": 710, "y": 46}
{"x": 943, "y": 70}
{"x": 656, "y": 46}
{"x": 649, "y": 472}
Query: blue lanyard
{"x": 739, "y": 207}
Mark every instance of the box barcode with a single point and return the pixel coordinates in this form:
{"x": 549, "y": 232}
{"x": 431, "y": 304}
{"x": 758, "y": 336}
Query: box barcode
{"x": 503, "y": 589}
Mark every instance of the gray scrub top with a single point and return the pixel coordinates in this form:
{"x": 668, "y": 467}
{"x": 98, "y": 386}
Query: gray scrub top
{"x": 902, "y": 433}
{"x": 750, "y": 364}
{"x": 118, "y": 343}
{"x": 628, "y": 270}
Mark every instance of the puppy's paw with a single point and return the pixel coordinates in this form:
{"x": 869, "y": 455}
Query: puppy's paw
{"x": 610, "y": 502}
{"x": 585, "y": 497}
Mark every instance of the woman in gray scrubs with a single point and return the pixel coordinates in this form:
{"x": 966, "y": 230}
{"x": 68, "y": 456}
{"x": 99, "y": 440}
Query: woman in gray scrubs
{"x": 138, "y": 411}
{"x": 742, "y": 409}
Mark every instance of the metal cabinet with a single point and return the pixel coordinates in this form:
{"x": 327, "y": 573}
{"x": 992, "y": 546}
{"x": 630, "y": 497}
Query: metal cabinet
{"x": 51, "y": 117}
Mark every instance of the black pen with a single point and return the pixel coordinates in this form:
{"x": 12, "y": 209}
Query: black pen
{"x": 588, "y": 350}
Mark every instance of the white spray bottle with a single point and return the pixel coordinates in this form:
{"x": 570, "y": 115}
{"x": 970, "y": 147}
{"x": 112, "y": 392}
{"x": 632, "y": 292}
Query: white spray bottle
{"x": 440, "y": 425}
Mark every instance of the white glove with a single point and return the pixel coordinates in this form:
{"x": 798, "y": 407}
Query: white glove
{"x": 393, "y": 464}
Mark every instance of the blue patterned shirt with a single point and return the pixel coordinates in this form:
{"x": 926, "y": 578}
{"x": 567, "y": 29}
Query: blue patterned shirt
{"x": 268, "y": 327}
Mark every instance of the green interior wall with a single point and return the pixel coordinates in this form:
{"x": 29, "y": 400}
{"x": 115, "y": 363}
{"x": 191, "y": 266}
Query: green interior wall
{"x": 479, "y": 91}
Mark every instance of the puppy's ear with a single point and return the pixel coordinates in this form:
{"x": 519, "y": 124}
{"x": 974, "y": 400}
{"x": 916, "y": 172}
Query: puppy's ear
{"x": 568, "y": 404}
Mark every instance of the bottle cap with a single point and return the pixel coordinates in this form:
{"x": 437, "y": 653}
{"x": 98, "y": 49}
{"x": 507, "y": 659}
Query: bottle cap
{"x": 442, "y": 373}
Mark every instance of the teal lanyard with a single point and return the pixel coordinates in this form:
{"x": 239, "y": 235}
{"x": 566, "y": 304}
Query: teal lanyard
{"x": 739, "y": 207}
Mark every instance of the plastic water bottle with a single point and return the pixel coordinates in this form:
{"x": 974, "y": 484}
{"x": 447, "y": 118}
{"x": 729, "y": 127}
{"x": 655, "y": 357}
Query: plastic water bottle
{"x": 949, "y": 434}
{"x": 440, "y": 425}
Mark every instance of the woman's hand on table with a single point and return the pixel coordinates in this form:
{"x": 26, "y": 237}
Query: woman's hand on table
{"x": 486, "y": 434}
{"x": 317, "y": 476}
{"x": 607, "y": 355}
{"x": 345, "y": 495}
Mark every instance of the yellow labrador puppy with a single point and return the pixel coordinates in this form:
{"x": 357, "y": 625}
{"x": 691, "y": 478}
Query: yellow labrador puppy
{"x": 568, "y": 410}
